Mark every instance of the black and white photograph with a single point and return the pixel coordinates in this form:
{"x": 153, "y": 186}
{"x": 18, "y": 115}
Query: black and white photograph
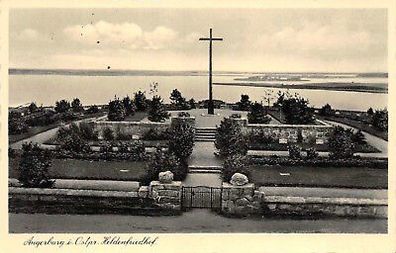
{"x": 198, "y": 120}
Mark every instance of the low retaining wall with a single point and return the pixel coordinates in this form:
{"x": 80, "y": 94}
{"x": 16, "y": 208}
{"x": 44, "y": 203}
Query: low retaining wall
{"x": 96, "y": 196}
{"x": 287, "y": 133}
{"x": 245, "y": 201}
{"x": 138, "y": 129}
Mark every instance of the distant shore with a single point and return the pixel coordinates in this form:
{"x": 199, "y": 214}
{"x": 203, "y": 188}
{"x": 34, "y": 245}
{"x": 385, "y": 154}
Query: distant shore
{"x": 333, "y": 86}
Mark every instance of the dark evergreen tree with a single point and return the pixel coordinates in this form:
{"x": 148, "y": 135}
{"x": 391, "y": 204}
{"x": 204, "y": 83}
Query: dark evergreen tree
{"x": 229, "y": 138}
{"x": 76, "y": 105}
{"x": 140, "y": 101}
{"x": 62, "y": 106}
{"x": 341, "y": 145}
{"x": 33, "y": 107}
{"x": 380, "y": 120}
{"x": 129, "y": 106}
{"x": 192, "y": 103}
{"x": 326, "y": 110}
{"x": 257, "y": 114}
{"x": 116, "y": 110}
{"x": 181, "y": 141}
{"x": 244, "y": 104}
{"x": 33, "y": 167}
{"x": 296, "y": 110}
{"x": 178, "y": 101}
{"x": 370, "y": 111}
{"x": 157, "y": 112}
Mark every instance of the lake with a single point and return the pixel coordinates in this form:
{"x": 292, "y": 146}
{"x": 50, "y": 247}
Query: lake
{"x": 46, "y": 89}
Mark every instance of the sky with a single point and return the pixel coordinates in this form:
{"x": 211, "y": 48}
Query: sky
{"x": 282, "y": 40}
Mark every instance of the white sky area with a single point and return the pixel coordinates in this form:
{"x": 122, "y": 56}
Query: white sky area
{"x": 295, "y": 40}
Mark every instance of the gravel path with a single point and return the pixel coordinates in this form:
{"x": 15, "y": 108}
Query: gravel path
{"x": 195, "y": 221}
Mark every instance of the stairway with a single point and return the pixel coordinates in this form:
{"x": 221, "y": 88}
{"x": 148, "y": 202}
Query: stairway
{"x": 207, "y": 134}
{"x": 204, "y": 169}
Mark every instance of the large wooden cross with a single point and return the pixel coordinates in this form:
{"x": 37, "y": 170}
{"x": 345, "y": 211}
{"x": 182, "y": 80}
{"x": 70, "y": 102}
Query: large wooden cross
{"x": 210, "y": 102}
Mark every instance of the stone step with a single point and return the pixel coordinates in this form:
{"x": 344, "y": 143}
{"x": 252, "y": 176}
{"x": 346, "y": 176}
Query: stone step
{"x": 195, "y": 171}
{"x": 204, "y": 140}
{"x": 205, "y": 137}
{"x": 205, "y": 133}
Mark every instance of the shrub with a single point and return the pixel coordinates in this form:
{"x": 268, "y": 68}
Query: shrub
{"x": 235, "y": 116}
{"x": 359, "y": 138}
{"x": 326, "y": 110}
{"x": 106, "y": 147}
{"x": 244, "y": 104}
{"x": 93, "y": 109}
{"x": 161, "y": 161}
{"x": 192, "y": 103}
{"x": 380, "y": 120}
{"x": 296, "y": 109}
{"x": 312, "y": 154}
{"x": 155, "y": 135}
{"x": 140, "y": 101}
{"x": 181, "y": 141}
{"x": 70, "y": 138}
{"x": 87, "y": 131}
{"x": 33, "y": 167}
{"x": 116, "y": 110}
{"x": 62, "y": 106}
{"x": 138, "y": 150}
{"x": 184, "y": 114}
{"x": 157, "y": 112}
{"x": 108, "y": 134}
{"x": 229, "y": 139}
{"x": 257, "y": 114}
{"x": 234, "y": 164}
{"x": 294, "y": 151}
{"x": 341, "y": 144}
{"x": 17, "y": 125}
{"x": 76, "y": 105}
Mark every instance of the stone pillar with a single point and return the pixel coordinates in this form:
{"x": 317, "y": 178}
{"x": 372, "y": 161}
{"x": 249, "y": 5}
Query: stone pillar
{"x": 166, "y": 192}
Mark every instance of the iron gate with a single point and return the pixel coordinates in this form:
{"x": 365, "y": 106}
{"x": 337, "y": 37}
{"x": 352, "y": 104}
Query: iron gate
{"x": 201, "y": 197}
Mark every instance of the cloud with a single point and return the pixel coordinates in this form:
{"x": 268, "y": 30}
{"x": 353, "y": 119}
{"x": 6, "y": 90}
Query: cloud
{"x": 326, "y": 40}
{"x": 129, "y": 35}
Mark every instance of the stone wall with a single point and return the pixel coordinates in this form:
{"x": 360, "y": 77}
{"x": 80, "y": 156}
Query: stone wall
{"x": 239, "y": 200}
{"x": 287, "y": 133}
{"x": 307, "y": 206}
{"x": 137, "y": 129}
{"x": 166, "y": 195}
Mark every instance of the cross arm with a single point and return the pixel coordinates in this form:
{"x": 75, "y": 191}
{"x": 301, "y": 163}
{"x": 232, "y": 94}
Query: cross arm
{"x": 210, "y": 38}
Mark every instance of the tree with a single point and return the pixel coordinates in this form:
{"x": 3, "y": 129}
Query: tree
{"x": 296, "y": 109}
{"x": 93, "y": 109}
{"x": 181, "y": 141}
{"x": 229, "y": 138}
{"x": 33, "y": 167}
{"x": 33, "y": 107}
{"x": 178, "y": 101}
{"x": 76, "y": 105}
{"x": 234, "y": 164}
{"x": 129, "y": 106}
{"x": 370, "y": 111}
{"x": 359, "y": 138}
{"x": 157, "y": 112}
{"x": 326, "y": 110}
{"x": 244, "y": 104}
{"x": 192, "y": 103}
{"x": 16, "y": 123}
{"x": 341, "y": 145}
{"x": 116, "y": 110}
{"x": 62, "y": 106}
{"x": 140, "y": 101}
{"x": 257, "y": 114}
{"x": 380, "y": 120}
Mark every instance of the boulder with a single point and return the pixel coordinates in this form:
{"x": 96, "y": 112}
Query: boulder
{"x": 239, "y": 179}
{"x": 165, "y": 177}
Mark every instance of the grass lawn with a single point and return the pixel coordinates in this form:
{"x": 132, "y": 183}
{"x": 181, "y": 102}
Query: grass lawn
{"x": 138, "y": 116}
{"x": 353, "y": 177}
{"x": 359, "y": 125}
{"x": 83, "y": 169}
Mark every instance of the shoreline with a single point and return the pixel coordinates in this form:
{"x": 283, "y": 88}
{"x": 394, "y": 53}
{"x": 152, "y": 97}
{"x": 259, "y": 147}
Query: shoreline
{"x": 355, "y": 87}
